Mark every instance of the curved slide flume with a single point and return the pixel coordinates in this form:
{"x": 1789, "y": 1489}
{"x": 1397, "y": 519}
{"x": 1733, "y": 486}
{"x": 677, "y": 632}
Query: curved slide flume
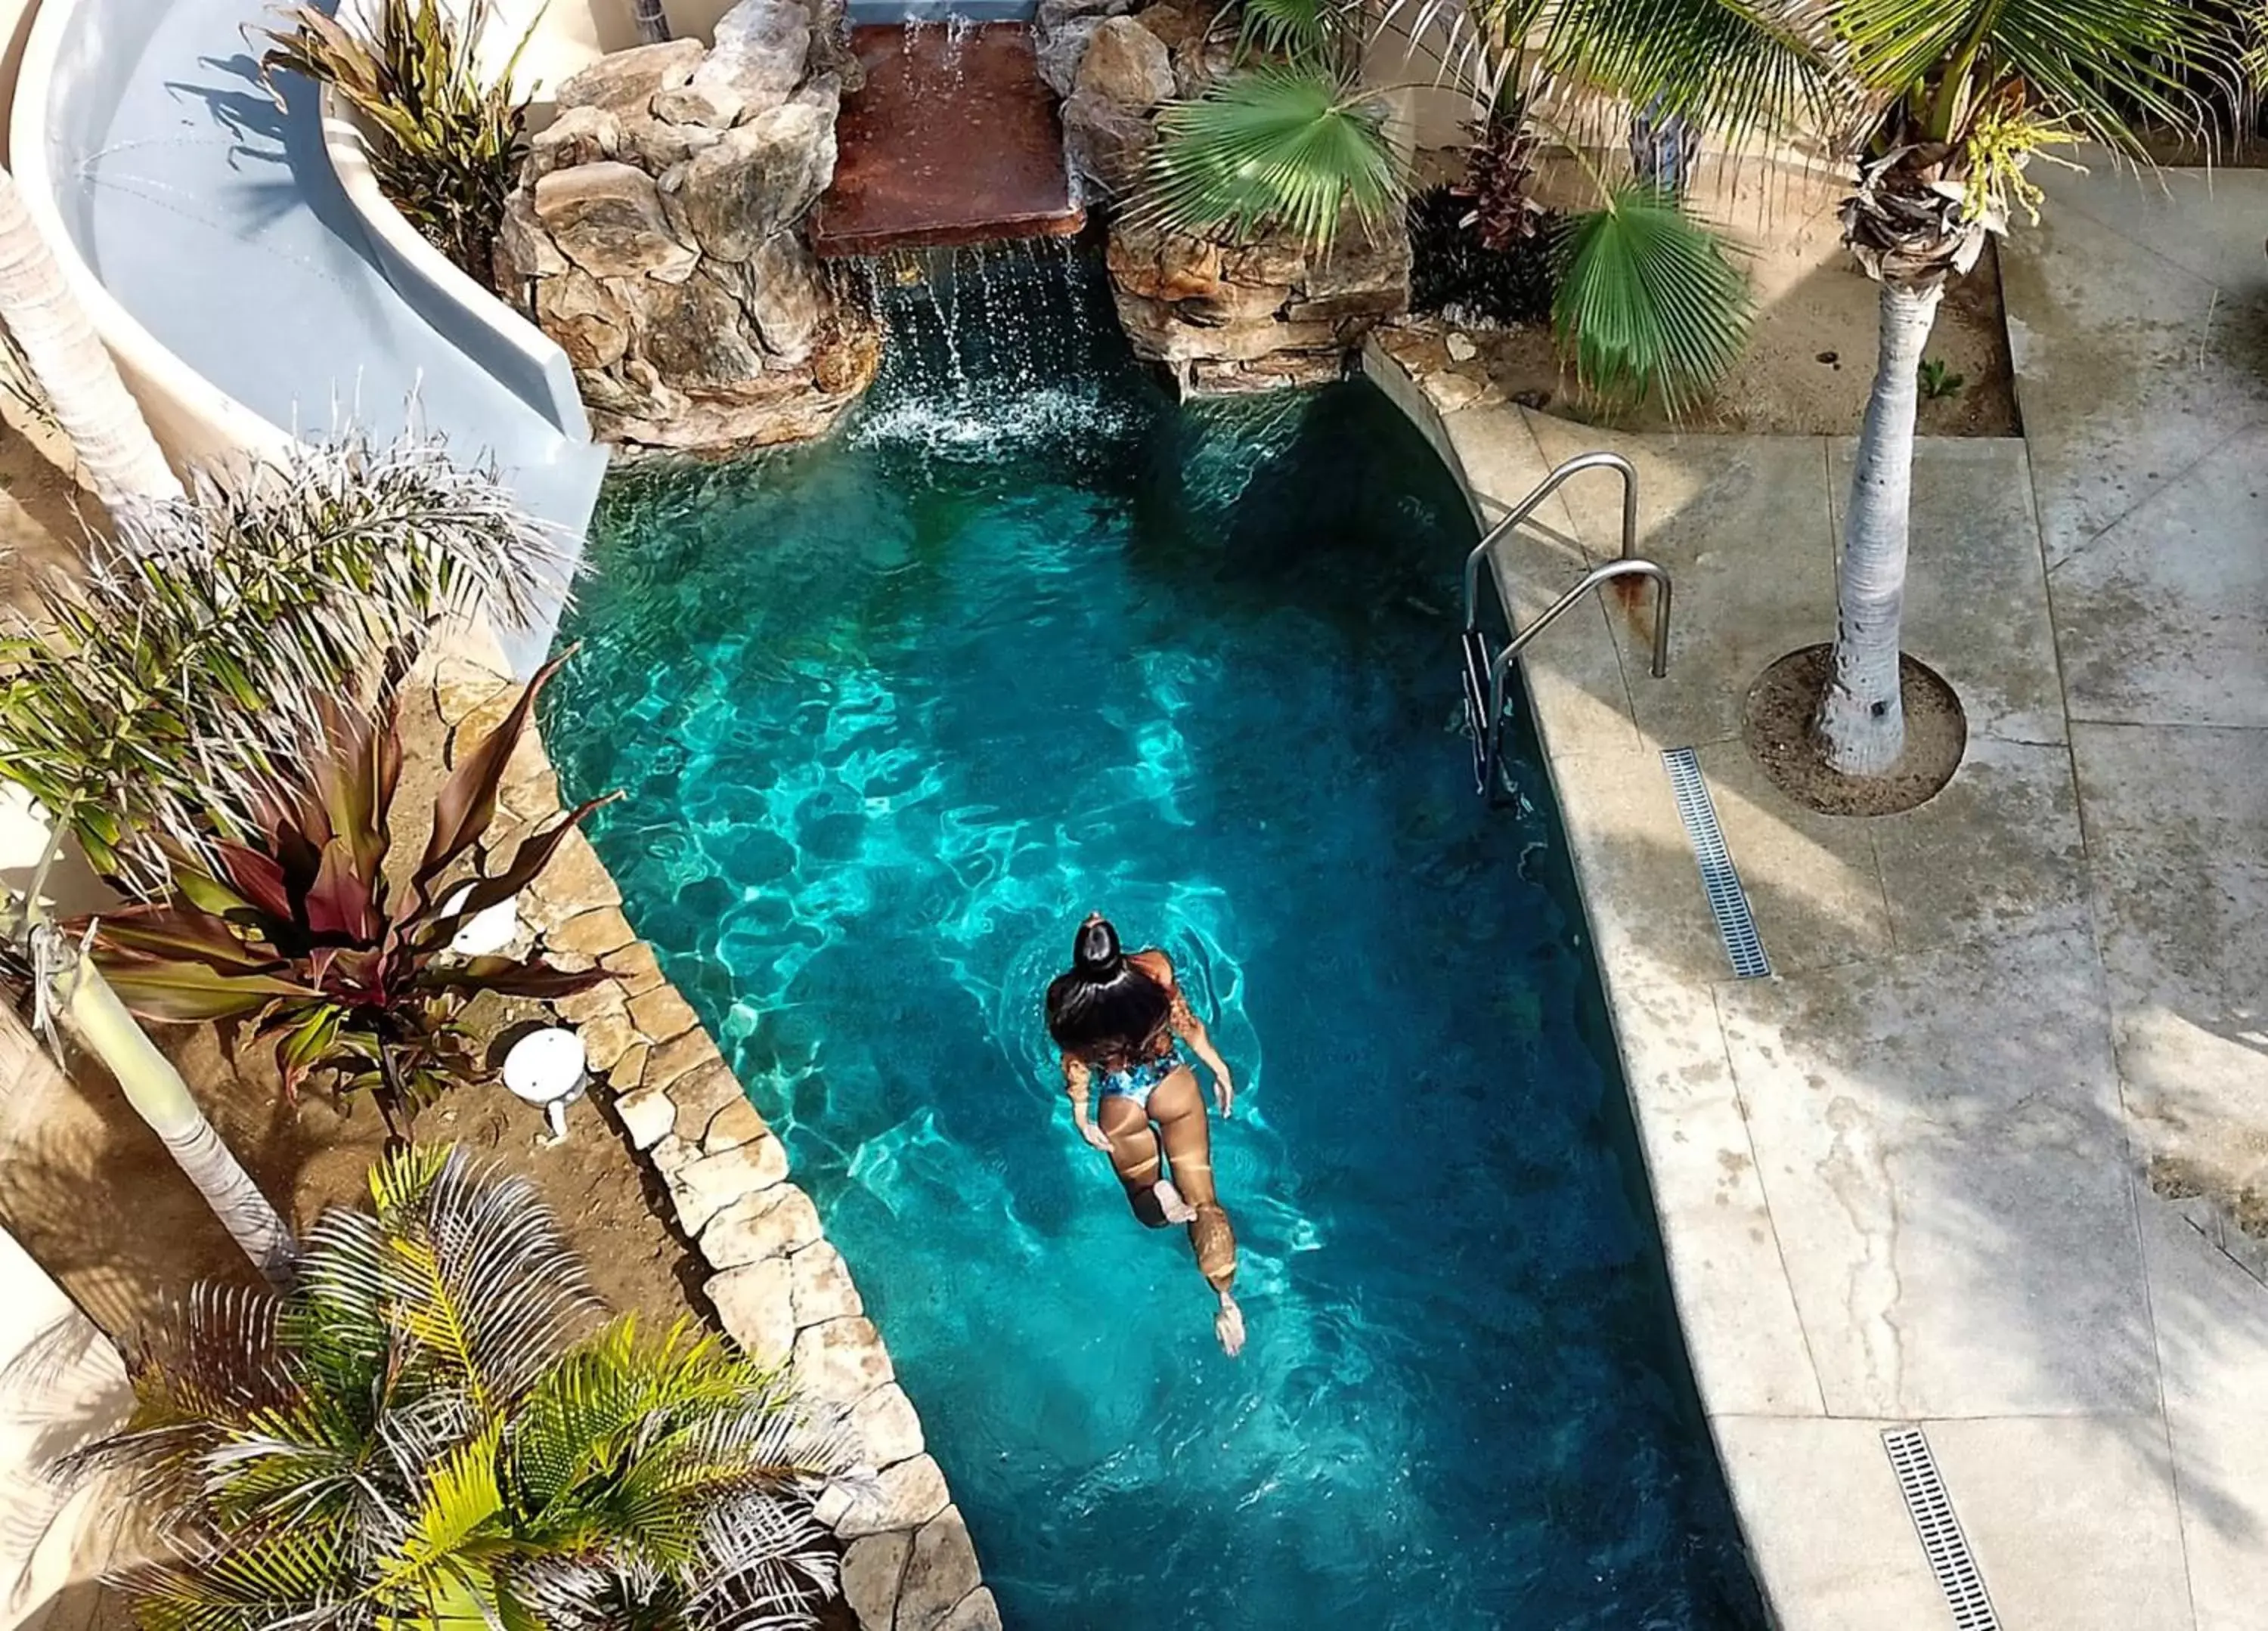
{"x": 242, "y": 289}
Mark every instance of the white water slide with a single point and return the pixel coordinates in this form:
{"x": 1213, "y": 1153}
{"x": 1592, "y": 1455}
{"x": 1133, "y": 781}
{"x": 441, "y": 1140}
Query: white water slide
{"x": 228, "y": 257}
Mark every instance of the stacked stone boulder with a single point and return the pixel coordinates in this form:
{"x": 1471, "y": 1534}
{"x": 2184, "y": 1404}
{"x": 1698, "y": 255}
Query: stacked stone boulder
{"x": 1224, "y": 319}
{"x": 655, "y": 236}
{"x": 778, "y": 1287}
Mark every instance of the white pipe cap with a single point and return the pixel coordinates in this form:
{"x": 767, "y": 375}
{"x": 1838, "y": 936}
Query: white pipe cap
{"x": 488, "y": 930}
{"x": 545, "y": 1067}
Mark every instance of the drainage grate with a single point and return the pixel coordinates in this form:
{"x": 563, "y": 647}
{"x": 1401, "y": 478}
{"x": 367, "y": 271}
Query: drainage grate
{"x": 1942, "y": 1543}
{"x": 1729, "y": 902}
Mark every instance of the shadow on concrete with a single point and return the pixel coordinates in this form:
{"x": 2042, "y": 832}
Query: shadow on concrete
{"x": 1930, "y": 1091}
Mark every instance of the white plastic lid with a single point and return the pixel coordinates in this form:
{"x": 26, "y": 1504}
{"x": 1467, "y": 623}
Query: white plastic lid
{"x": 545, "y": 1065}
{"x": 487, "y": 930}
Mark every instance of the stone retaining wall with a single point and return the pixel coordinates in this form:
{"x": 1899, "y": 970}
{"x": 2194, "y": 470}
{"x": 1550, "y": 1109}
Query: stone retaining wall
{"x": 1224, "y": 319}
{"x": 657, "y": 236}
{"x": 774, "y": 1283}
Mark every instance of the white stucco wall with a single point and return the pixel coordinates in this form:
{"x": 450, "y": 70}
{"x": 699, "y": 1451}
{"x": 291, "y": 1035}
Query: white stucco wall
{"x": 1428, "y": 110}
{"x": 62, "y": 1385}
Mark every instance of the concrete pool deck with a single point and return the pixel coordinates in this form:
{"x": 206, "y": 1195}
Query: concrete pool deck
{"x": 1978, "y": 1155}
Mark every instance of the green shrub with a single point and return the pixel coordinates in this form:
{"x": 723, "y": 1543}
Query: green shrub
{"x": 1452, "y": 271}
{"x": 446, "y": 145}
{"x": 432, "y": 1430}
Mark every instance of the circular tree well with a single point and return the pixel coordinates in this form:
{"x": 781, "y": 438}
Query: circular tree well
{"x": 1776, "y": 725}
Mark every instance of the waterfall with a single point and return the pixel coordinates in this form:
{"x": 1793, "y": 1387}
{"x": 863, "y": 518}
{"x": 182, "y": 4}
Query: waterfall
{"x": 982, "y": 337}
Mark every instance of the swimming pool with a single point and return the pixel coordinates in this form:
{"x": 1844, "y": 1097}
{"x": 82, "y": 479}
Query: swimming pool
{"x": 1026, "y": 641}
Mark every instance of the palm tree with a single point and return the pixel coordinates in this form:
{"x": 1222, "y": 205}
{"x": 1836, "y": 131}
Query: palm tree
{"x": 147, "y": 696}
{"x": 1648, "y": 299}
{"x": 90, "y": 401}
{"x": 433, "y": 1429}
{"x": 128, "y": 472}
{"x": 1957, "y": 97}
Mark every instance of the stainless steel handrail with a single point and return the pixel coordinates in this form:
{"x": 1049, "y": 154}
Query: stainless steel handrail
{"x": 1592, "y": 579}
{"x": 1488, "y": 732}
{"x": 1529, "y": 506}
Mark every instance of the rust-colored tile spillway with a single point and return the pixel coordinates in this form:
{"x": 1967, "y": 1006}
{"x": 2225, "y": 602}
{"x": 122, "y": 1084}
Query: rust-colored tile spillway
{"x": 953, "y": 139}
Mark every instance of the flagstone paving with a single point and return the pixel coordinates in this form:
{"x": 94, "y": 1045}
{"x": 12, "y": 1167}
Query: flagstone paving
{"x": 1988, "y": 1152}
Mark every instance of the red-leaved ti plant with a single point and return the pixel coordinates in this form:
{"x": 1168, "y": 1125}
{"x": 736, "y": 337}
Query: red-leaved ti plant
{"x": 302, "y": 931}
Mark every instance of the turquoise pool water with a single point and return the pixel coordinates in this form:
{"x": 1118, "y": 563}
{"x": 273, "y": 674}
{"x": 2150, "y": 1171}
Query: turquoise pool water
{"x": 1026, "y": 641}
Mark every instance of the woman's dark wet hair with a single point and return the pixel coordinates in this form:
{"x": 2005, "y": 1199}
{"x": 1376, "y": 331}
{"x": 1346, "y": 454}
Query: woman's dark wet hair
{"x": 1105, "y": 1006}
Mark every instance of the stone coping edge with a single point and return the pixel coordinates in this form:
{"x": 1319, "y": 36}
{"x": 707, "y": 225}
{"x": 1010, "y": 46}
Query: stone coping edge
{"x": 1708, "y": 1322}
{"x": 776, "y": 1286}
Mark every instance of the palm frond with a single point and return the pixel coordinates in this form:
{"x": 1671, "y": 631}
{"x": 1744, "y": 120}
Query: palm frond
{"x": 575, "y": 1420}
{"x": 1272, "y": 148}
{"x": 461, "y": 1502}
{"x": 156, "y": 697}
{"x": 405, "y": 1176}
{"x": 296, "y": 1576}
{"x": 768, "y": 1560}
{"x": 1301, "y": 31}
{"x": 518, "y": 1291}
{"x": 2104, "y": 66}
{"x": 1649, "y": 301}
{"x": 1736, "y": 69}
{"x": 421, "y": 1439}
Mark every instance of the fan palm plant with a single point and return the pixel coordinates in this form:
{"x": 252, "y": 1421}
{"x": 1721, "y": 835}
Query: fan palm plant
{"x": 1290, "y": 140}
{"x": 1650, "y": 301}
{"x": 1958, "y": 97}
{"x": 1288, "y": 146}
{"x": 433, "y": 1429}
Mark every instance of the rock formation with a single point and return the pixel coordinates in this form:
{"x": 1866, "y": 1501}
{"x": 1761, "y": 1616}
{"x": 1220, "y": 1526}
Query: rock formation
{"x": 655, "y": 236}
{"x": 1224, "y": 317}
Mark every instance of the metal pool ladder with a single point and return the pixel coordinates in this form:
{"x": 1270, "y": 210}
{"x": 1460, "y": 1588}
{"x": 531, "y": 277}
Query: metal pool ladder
{"x": 1485, "y": 667}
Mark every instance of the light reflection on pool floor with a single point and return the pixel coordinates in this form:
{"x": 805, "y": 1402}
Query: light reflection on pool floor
{"x": 893, "y": 713}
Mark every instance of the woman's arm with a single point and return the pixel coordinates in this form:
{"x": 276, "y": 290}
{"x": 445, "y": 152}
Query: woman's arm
{"x": 1191, "y": 1030}
{"x": 1076, "y": 1076}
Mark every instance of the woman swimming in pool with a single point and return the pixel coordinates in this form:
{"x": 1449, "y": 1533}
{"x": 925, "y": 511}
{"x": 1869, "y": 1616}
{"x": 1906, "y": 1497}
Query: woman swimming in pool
{"x": 1115, "y": 1017}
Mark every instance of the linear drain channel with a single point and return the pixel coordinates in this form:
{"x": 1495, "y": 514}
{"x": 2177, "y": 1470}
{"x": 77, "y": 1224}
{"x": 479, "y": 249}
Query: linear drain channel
{"x": 1942, "y": 1543}
{"x": 1729, "y": 902}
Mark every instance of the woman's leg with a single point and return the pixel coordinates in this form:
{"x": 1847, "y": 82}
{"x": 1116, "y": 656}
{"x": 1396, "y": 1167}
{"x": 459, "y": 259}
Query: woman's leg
{"x": 1178, "y": 1108}
{"x": 1134, "y": 1157}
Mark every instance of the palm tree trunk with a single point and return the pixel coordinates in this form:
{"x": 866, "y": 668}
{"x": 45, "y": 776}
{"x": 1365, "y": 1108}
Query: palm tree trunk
{"x": 1860, "y": 721}
{"x": 122, "y": 459}
{"x": 101, "y": 1024}
{"x": 652, "y": 21}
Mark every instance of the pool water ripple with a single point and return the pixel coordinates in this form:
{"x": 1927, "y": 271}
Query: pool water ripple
{"x": 893, "y": 713}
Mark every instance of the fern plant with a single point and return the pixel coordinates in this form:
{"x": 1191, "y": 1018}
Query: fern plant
{"x": 433, "y": 1430}
{"x": 447, "y": 139}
